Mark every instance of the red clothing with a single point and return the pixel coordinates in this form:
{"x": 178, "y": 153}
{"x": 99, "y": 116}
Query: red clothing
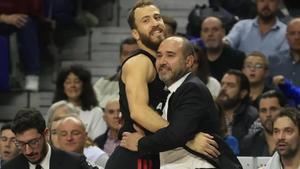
{"x": 30, "y": 7}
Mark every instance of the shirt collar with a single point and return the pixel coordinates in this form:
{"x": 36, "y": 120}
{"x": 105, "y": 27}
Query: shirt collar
{"x": 176, "y": 84}
{"x": 275, "y": 26}
{"x": 45, "y": 163}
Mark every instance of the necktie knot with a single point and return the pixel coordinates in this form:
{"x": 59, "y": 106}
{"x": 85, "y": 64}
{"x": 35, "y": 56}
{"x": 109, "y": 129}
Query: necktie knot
{"x": 38, "y": 166}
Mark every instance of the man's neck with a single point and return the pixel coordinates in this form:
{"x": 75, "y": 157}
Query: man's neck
{"x": 113, "y": 134}
{"x": 266, "y": 25}
{"x": 256, "y": 89}
{"x": 270, "y": 142}
{"x": 145, "y": 48}
{"x": 214, "y": 54}
{"x": 291, "y": 163}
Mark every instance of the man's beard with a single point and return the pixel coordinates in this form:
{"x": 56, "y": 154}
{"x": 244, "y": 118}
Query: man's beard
{"x": 229, "y": 103}
{"x": 267, "y": 128}
{"x": 150, "y": 44}
{"x": 267, "y": 18}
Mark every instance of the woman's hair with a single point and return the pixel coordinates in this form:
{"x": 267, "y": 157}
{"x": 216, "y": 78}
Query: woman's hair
{"x": 87, "y": 98}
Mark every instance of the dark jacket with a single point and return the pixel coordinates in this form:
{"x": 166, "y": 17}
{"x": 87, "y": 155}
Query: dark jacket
{"x": 191, "y": 109}
{"x": 59, "y": 160}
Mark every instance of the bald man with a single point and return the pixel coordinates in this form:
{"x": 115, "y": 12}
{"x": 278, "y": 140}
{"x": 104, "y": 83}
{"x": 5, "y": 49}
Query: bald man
{"x": 220, "y": 57}
{"x": 289, "y": 60}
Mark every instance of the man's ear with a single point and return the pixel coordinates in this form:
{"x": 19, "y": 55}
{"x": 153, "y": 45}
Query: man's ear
{"x": 135, "y": 34}
{"x": 189, "y": 61}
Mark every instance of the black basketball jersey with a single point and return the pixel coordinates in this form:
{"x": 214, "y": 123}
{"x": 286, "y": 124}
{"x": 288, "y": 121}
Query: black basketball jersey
{"x": 157, "y": 95}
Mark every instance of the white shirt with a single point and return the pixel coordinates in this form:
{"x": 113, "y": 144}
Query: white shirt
{"x": 45, "y": 163}
{"x": 172, "y": 89}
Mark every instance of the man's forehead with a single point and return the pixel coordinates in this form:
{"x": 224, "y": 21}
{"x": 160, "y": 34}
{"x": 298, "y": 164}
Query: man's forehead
{"x": 146, "y": 11}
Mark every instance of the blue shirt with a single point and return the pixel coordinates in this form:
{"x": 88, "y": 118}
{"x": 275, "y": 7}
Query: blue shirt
{"x": 283, "y": 64}
{"x": 246, "y": 36}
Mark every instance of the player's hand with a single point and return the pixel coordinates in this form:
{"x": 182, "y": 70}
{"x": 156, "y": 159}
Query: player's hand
{"x": 204, "y": 143}
{"x": 18, "y": 20}
{"x": 130, "y": 140}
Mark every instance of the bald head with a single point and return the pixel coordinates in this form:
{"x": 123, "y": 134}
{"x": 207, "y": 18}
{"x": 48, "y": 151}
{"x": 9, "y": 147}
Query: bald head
{"x": 293, "y": 35}
{"x": 212, "y": 33}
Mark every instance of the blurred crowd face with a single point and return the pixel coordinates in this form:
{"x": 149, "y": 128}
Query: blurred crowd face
{"x": 112, "y": 115}
{"x": 32, "y": 144}
{"x": 293, "y": 34}
{"x": 287, "y": 137}
{"x": 266, "y": 9}
{"x": 149, "y": 26}
{"x": 71, "y": 135}
{"x": 127, "y": 49}
{"x": 255, "y": 69}
{"x": 212, "y": 33}
{"x": 230, "y": 94}
{"x": 170, "y": 62}
{"x": 269, "y": 108}
{"x": 73, "y": 87}
{"x": 8, "y": 149}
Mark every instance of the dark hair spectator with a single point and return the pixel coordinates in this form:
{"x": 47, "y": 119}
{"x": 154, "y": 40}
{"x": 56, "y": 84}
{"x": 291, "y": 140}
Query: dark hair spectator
{"x": 273, "y": 93}
{"x": 291, "y": 113}
{"x": 87, "y": 97}
{"x": 203, "y": 69}
{"x": 28, "y": 118}
{"x": 5, "y": 127}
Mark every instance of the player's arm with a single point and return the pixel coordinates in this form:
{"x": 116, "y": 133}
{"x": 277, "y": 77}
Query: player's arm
{"x": 137, "y": 72}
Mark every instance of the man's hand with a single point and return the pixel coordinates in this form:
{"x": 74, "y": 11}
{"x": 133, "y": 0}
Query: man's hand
{"x": 18, "y": 20}
{"x": 203, "y": 143}
{"x": 130, "y": 140}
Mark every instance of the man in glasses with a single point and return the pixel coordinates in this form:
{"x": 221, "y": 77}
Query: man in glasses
{"x": 8, "y": 149}
{"x": 30, "y": 129}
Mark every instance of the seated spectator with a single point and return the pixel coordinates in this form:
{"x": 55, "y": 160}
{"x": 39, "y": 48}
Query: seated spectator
{"x": 265, "y": 33}
{"x": 234, "y": 100}
{"x": 108, "y": 88}
{"x": 30, "y": 129}
{"x": 286, "y": 132}
{"x": 287, "y": 63}
{"x": 74, "y": 85}
{"x": 201, "y": 69}
{"x": 256, "y": 68}
{"x": 261, "y": 142}
{"x": 170, "y": 25}
{"x": 72, "y": 138}
{"x": 220, "y": 57}
{"x": 21, "y": 17}
{"x": 8, "y": 149}
{"x": 291, "y": 91}
{"x": 109, "y": 140}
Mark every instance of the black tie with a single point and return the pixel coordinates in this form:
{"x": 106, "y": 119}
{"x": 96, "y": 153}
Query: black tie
{"x": 38, "y": 166}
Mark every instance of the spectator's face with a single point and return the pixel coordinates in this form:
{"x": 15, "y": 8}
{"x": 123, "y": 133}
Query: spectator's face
{"x": 54, "y": 134}
{"x": 71, "y": 135}
{"x": 149, "y": 27}
{"x": 255, "y": 69}
{"x": 127, "y": 50}
{"x": 112, "y": 115}
{"x": 230, "y": 94}
{"x": 73, "y": 87}
{"x": 286, "y": 135}
{"x": 293, "y": 35}
{"x": 32, "y": 144}
{"x": 267, "y": 9}
{"x": 268, "y": 109}
{"x": 212, "y": 33}
{"x": 8, "y": 149}
{"x": 170, "y": 62}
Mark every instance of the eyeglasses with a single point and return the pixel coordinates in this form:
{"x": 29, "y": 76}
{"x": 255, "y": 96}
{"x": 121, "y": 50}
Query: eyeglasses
{"x": 34, "y": 143}
{"x": 255, "y": 66}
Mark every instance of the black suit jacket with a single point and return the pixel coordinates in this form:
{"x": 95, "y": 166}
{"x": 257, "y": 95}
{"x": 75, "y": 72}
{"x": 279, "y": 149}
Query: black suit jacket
{"x": 191, "y": 109}
{"x": 58, "y": 160}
